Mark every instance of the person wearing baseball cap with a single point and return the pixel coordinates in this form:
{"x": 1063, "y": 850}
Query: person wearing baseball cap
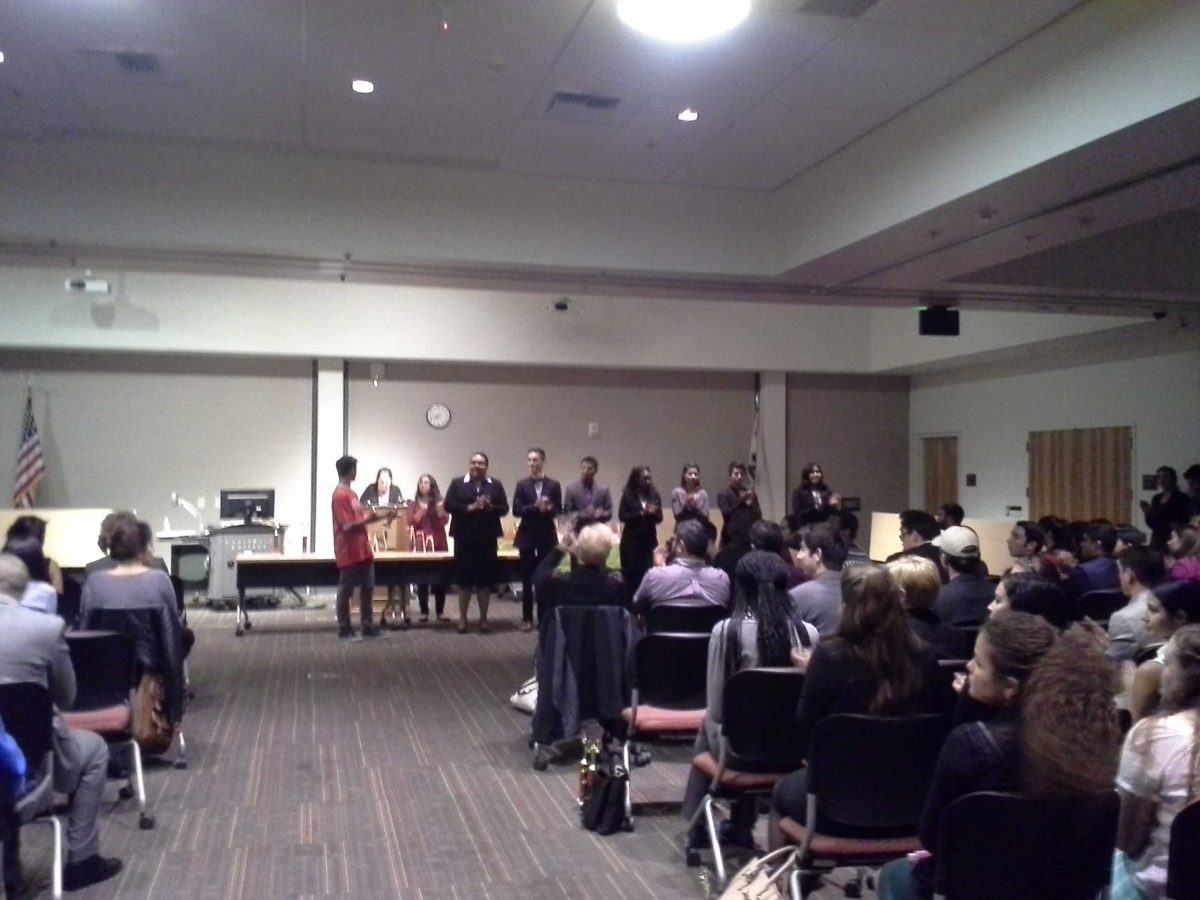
{"x": 963, "y": 602}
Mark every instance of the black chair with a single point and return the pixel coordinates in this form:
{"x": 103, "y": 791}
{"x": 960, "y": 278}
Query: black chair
{"x": 669, "y": 685}
{"x": 1100, "y": 605}
{"x": 868, "y": 779}
{"x": 69, "y": 601}
{"x": 696, "y": 618}
{"x": 1183, "y": 857}
{"x": 105, "y": 667}
{"x": 760, "y": 743}
{"x": 996, "y": 846}
{"x": 28, "y": 714}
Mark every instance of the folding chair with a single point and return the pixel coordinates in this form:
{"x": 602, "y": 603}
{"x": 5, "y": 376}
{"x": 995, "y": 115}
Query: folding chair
{"x": 1183, "y": 857}
{"x": 28, "y": 714}
{"x": 1100, "y": 605}
{"x": 759, "y": 744}
{"x": 669, "y": 682}
{"x": 996, "y": 846}
{"x": 104, "y": 672}
{"x": 677, "y": 618}
{"x": 868, "y": 778}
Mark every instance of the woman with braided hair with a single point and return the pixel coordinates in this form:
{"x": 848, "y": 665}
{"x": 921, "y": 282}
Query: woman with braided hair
{"x": 759, "y": 633}
{"x": 1159, "y": 773}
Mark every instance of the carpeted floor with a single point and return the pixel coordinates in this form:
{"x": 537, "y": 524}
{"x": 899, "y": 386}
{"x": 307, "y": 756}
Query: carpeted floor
{"x": 388, "y": 768}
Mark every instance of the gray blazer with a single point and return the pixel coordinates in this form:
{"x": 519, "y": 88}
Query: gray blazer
{"x": 575, "y": 501}
{"x": 33, "y": 648}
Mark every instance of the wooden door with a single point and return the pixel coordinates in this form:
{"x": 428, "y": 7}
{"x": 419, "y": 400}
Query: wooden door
{"x": 1081, "y": 473}
{"x": 941, "y": 471}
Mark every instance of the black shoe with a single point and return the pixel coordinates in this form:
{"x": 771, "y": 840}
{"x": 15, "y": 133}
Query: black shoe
{"x": 93, "y": 870}
{"x": 347, "y": 634}
{"x": 370, "y": 631}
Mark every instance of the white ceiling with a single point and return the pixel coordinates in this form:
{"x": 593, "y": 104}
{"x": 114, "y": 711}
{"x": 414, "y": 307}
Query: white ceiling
{"x": 784, "y": 92}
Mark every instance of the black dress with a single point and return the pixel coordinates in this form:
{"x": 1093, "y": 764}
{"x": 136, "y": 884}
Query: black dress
{"x": 475, "y": 531}
{"x": 639, "y": 536}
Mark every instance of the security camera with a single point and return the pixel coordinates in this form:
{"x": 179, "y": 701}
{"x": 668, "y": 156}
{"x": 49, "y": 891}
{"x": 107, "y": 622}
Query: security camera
{"x": 89, "y": 286}
{"x": 1159, "y": 316}
{"x": 562, "y": 305}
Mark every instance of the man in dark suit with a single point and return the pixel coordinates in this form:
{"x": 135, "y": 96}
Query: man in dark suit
{"x": 1097, "y": 570}
{"x": 536, "y": 501}
{"x": 476, "y": 503}
{"x": 586, "y": 500}
{"x": 917, "y": 531}
{"x": 34, "y": 649}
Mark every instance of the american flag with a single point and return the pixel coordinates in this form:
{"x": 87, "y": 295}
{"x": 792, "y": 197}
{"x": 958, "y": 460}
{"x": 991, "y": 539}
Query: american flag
{"x": 31, "y": 467}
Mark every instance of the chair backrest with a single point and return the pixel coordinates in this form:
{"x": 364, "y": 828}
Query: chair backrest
{"x": 874, "y": 771}
{"x": 1183, "y": 859}
{"x": 759, "y": 711}
{"x": 1100, "y": 605}
{"x": 698, "y": 618}
{"x": 105, "y": 667}
{"x": 28, "y": 714}
{"x": 68, "y": 603}
{"x": 177, "y": 586}
{"x": 671, "y": 670}
{"x": 996, "y": 846}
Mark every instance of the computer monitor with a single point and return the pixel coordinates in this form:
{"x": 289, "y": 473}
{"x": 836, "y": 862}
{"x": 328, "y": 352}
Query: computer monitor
{"x": 248, "y": 504}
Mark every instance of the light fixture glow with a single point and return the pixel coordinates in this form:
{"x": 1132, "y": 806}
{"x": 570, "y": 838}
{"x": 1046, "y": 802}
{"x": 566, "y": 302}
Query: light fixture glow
{"x": 1, "y": 56}
{"x": 361, "y": 87}
{"x": 688, "y": 115}
{"x": 683, "y": 21}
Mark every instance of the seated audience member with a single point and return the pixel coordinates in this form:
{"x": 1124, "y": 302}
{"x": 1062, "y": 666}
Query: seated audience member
{"x": 1140, "y": 570}
{"x": 1183, "y": 551}
{"x": 35, "y": 527}
{"x": 1157, "y": 775}
{"x": 847, "y": 528}
{"x": 769, "y": 536}
{"x": 873, "y": 665}
{"x": 760, "y": 633}
{"x": 1127, "y": 536}
{"x": 1030, "y": 593}
{"x": 1025, "y": 544}
{"x": 919, "y": 586}
{"x": 1169, "y": 607}
{"x": 738, "y": 501}
{"x": 963, "y": 602}
{"x": 104, "y": 540}
{"x": 1097, "y": 570}
{"x": 39, "y": 593}
{"x": 139, "y": 601}
{"x": 1166, "y": 509}
{"x": 819, "y": 599}
{"x": 917, "y": 531}
{"x": 1051, "y": 699}
{"x": 589, "y": 582}
{"x": 949, "y": 514}
{"x": 33, "y": 649}
{"x": 734, "y": 545}
{"x": 688, "y": 578}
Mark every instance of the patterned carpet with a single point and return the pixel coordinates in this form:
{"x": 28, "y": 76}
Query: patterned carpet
{"x": 389, "y": 768}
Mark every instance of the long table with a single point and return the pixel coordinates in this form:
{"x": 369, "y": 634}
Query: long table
{"x": 392, "y": 568}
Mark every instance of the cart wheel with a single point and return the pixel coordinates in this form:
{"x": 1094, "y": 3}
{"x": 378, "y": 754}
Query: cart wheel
{"x": 693, "y": 858}
{"x": 125, "y": 793}
{"x": 146, "y": 822}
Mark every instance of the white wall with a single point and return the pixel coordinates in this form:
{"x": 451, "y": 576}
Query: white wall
{"x": 1158, "y": 396}
{"x": 126, "y": 431}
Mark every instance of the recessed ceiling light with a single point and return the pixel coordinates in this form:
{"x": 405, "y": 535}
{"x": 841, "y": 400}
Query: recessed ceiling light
{"x": 688, "y": 115}
{"x": 1, "y": 56}
{"x": 683, "y": 20}
{"x": 361, "y": 87}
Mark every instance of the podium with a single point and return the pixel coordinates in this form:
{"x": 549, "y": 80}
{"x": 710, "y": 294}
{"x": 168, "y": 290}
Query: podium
{"x": 393, "y": 538}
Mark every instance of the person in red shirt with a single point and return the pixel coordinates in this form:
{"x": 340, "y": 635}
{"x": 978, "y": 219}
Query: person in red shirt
{"x": 352, "y": 550}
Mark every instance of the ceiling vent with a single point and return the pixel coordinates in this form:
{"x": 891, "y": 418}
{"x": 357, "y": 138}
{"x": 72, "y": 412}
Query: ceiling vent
{"x": 576, "y": 106}
{"x": 128, "y": 63}
{"x": 843, "y": 9}
{"x": 134, "y": 62}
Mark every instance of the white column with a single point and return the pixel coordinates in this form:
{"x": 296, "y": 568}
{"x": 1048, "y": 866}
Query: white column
{"x": 772, "y": 478}
{"x": 329, "y": 442}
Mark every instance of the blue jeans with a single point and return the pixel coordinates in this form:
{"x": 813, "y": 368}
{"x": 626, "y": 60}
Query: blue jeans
{"x": 896, "y": 881}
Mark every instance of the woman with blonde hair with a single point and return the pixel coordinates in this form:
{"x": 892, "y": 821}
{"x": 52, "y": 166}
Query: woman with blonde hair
{"x": 919, "y": 583}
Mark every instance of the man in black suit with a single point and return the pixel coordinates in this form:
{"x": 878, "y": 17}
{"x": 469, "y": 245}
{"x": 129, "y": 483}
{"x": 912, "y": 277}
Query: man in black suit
{"x": 917, "y": 531}
{"x": 476, "y": 503}
{"x": 536, "y": 501}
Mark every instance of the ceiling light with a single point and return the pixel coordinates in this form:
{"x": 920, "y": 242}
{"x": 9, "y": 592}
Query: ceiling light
{"x": 688, "y": 115}
{"x": 361, "y": 87}
{"x": 682, "y": 20}
{"x": 1, "y": 56}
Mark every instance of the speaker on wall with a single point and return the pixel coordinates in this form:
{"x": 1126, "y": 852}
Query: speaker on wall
{"x": 938, "y": 321}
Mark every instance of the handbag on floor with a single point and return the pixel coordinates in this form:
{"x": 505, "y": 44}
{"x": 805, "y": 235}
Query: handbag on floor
{"x": 764, "y": 878}
{"x": 151, "y": 728}
{"x": 604, "y": 809}
{"x": 525, "y": 699}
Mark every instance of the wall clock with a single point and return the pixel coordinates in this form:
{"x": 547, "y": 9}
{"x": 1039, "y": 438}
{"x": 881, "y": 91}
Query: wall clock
{"x": 438, "y": 415}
